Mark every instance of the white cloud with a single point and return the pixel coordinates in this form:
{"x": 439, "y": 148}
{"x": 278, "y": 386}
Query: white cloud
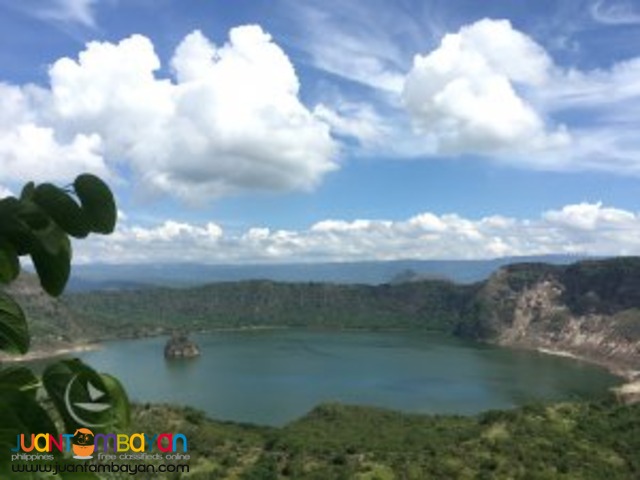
{"x": 5, "y": 192}
{"x": 615, "y": 13}
{"x": 355, "y": 120}
{"x": 353, "y": 41}
{"x": 585, "y": 228}
{"x": 80, "y": 12}
{"x": 590, "y": 216}
{"x": 347, "y": 57}
{"x": 596, "y": 90}
{"x": 465, "y": 94}
{"x": 230, "y": 121}
{"x": 29, "y": 151}
{"x": 171, "y": 231}
{"x": 491, "y": 91}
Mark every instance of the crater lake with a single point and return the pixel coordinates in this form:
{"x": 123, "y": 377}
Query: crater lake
{"x": 272, "y": 377}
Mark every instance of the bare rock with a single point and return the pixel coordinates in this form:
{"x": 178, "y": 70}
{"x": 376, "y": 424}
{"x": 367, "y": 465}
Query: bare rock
{"x": 179, "y": 346}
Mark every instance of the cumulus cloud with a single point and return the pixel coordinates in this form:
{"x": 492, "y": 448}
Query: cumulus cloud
{"x": 585, "y": 228}
{"x": 229, "y": 120}
{"x": 465, "y": 94}
{"x": 590, "y": 216}
{"x": 492, "y": 91}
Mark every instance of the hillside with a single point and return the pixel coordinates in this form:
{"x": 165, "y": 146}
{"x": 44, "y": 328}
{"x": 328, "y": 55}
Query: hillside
{"x": 585, "y": 441}
{"x": 590, "y": 309}
{"x": 436, "y": 305}
{"x": 52, "y": 323}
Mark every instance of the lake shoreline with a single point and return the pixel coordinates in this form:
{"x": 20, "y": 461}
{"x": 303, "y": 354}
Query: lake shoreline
{"x": 49, "y": 353}
{"x": 622, "y": 371}
{"x": 630, "y": 377}
{"x": 627, "y": 392}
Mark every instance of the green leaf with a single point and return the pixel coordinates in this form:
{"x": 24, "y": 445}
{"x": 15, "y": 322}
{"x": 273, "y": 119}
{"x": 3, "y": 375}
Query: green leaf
{"x": 31, "y": 214}
{"x": 12, "y": 227}
{"x": 85, "y": 398}
{"x": 20, "y": 413}
{"x": 14, "y": 333}
{"x": 53, "y": 269}
{"x": 63, "y": 209}
{"x": 9, "y": 261}
{"x": 97, "y": 202}
{"x": 116, "y": 389}
{"x": 19, "y": 378}
{"x": 50, "y": 251}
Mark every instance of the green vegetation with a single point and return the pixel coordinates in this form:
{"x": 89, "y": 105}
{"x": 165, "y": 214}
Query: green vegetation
{"x": 38, "y": 224}
{"x": 568, "y": 441}
{"x": 480, "y": 311}
{"x": 436, "y": 305}
{"x": 564, "y": 441}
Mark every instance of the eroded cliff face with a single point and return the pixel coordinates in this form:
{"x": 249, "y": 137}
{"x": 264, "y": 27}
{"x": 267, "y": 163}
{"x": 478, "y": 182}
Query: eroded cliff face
{"x": 544, "y": 314}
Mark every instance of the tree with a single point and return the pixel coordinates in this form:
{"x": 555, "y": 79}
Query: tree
{"x": 38, "y": 225}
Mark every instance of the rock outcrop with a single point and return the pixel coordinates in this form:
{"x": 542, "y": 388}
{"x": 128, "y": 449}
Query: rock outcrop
{"x": 590, "y": 310}
{"x": 179, "y": 346}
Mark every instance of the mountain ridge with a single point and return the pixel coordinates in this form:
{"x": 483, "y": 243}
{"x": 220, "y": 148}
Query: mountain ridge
{"x": 590, "y": 309}
{"x": 131, "y": 276}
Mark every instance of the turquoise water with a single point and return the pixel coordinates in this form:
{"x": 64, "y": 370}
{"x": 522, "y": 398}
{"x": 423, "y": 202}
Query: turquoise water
{"x": 273, "y": 377}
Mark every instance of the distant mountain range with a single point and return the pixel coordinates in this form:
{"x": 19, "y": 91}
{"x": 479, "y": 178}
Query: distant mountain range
{"x": 132, "y": 277}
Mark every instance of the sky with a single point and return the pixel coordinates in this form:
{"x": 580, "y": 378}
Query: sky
{"x": 281, "y": 131}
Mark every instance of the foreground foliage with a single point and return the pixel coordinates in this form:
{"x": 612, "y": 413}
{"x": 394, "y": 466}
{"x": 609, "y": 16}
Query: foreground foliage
{"x": 38, "y": 225}
{"x": 580, "y": 441}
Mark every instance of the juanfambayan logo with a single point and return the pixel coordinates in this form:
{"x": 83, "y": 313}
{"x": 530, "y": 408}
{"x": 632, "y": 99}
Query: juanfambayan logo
{"x": 89, "y": 449}
{"x": 109, "y": 446}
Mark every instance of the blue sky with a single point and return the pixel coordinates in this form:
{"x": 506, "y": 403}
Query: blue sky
{"x": 293, "y": 130}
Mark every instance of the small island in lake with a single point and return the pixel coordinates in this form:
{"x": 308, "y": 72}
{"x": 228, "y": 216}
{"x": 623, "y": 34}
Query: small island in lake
{"x": 179, "y": 346}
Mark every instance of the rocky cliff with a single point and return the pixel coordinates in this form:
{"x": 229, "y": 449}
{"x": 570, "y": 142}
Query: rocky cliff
{"x": 589, "y": 309}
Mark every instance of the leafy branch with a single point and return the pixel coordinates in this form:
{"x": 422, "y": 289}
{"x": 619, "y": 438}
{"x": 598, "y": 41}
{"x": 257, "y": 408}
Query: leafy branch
{"x": 38, "y": 225}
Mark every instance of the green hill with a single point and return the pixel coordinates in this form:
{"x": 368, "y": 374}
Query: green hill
{"x": 590, "y": 308}
{"x": 587, "y": 441}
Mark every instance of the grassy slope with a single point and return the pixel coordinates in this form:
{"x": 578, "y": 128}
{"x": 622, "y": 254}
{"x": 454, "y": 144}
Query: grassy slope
{"x": 564, "y": 441}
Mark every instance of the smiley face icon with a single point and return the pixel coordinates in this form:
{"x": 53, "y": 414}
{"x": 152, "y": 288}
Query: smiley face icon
{"x": 83, "y": 445}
